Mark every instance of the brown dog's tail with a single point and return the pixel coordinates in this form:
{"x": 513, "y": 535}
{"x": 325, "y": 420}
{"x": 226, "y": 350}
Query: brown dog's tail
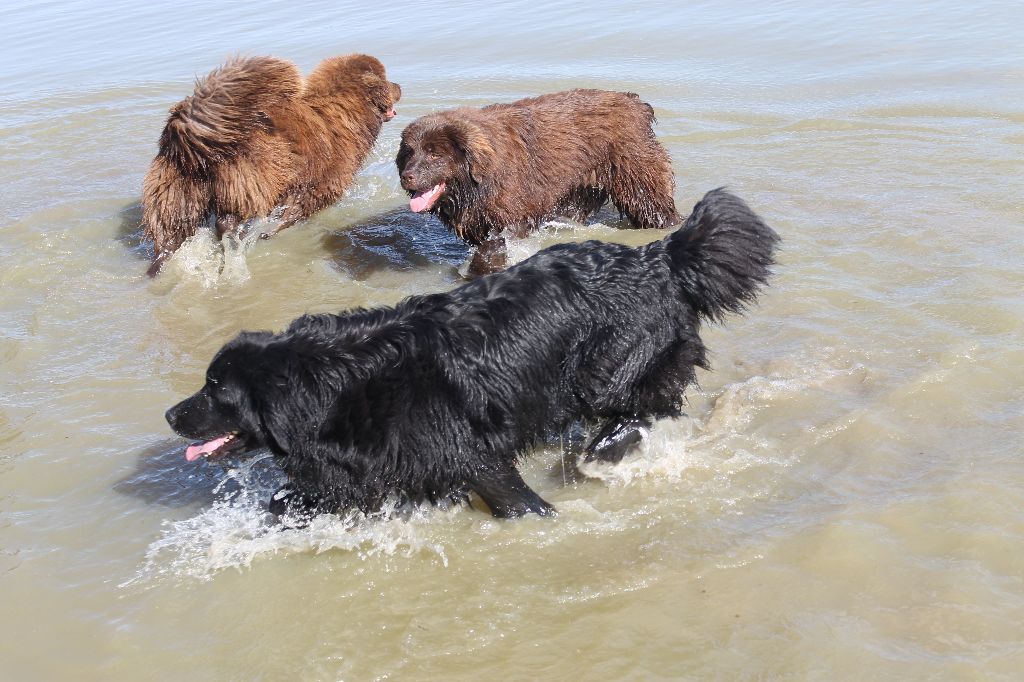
{"x": 174, "y": 204}
{"x": 225, "y": 109}
{"x": 212, "y": 125}
{"x": 722, "y": 255}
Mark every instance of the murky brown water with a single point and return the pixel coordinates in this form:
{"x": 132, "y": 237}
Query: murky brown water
{"x": 845, "y": 500}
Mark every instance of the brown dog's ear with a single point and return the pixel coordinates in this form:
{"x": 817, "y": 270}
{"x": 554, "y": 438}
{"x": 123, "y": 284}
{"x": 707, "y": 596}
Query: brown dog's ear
{"x": 376, "y": 89}
{"x": 479, "y": 153}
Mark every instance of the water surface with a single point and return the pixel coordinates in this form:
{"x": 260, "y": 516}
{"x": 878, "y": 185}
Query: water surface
{"x": 843, "y": 501}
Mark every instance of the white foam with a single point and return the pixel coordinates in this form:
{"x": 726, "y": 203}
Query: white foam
{"x": 236, "y": 530}
{"x": 719, "y": 439}
{"x": 212, "y": 263}
{"x": 521, "y": 248}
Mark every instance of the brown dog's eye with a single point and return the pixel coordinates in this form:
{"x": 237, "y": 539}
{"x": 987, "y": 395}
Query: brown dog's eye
{"x": 429, "y": 149}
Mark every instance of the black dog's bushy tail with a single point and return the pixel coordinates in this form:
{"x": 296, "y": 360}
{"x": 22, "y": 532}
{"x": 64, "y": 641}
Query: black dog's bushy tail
{"x": 722, "y": 254}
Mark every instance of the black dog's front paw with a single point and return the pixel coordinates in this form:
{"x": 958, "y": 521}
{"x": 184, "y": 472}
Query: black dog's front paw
{"x": 292, "y": 508}
{"x": 538, "y": 506}
{"x": 513, "y": 509}
{"x": 618, "y": 437}
{"x": 508, "y": 496}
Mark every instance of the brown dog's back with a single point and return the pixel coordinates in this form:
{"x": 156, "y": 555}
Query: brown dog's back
{"x": 514, "y": 165}
{"x": 253, "y": 136}
{"x": 218, "y": 147}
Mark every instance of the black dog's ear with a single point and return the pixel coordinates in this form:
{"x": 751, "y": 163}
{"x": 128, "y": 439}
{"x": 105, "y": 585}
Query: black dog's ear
{"x": 278, "y": 427}
{"x": 246, "y": 369}
{"x": 480, "y": 155}
{"x": 270, "y": 409}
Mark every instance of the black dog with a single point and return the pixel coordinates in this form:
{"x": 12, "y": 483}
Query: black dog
{"x": 442, "y": 394}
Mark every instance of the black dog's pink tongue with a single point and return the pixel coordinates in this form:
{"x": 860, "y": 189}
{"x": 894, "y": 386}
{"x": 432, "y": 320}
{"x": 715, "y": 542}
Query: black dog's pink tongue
{"x": 423, "y": 201}
{"x": 197, "y": 450}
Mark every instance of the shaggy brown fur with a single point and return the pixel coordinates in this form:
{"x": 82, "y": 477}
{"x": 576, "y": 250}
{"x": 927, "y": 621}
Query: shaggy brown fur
{"x": 515, "y": 165}
{"x": 254, "y": 136}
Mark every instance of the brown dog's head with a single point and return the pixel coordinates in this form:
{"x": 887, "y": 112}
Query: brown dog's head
{"x": 360, "y": 70}
{"x": 442, "y": 154}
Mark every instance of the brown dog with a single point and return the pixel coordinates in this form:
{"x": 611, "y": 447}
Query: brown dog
{"x": 512, "y": 166}
{"x": 254, "y": 137}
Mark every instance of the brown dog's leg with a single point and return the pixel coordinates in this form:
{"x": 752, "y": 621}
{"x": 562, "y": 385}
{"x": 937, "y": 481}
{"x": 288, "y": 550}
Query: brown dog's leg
{"x": 291, "y": 215}
{"x": 584, "y": 201}
{"x": 283, "y": 225}
{"x": 158, "y": 262}
{"x": 643, "y": 184}
{"x": 227, "y": 224}
{"x": 491, "y": 256}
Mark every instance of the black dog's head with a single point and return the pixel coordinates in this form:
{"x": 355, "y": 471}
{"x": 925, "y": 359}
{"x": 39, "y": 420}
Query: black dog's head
{"x": 318, "y": 395}
{"x": 441, "y": 155}
{"x": 223, "y": 415}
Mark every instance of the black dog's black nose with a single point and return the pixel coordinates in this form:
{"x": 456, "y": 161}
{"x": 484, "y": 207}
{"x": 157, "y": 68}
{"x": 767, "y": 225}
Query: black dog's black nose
{"x": 408, "y": 178}
{"x": 170, "y": 416}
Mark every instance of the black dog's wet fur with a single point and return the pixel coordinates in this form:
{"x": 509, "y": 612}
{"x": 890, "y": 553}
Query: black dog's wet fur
{"x": 443, "y": 393}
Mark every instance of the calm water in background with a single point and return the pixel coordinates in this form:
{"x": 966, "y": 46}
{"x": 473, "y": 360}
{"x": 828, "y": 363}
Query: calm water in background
{"x": 845, "y": 499}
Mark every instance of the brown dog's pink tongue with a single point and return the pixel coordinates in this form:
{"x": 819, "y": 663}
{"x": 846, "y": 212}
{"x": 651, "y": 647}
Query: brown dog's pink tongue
{"x": 422, "y": 201}
{"x": 194, "y": 452}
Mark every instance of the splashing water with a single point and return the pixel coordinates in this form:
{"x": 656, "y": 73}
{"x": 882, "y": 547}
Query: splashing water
{"x": 237, "y": 529}
{"x": 553, "y": 231}
{"x": 720, "y": 439}
{"x": 715, "y": 446}
{"x": 212, "y": 262}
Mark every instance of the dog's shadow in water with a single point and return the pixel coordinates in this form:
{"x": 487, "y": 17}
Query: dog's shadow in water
{"x": 162, "y": 477}
{"x": 396, "y": 240}
{"x": 399, "y": 240}
{"x": 130, "y": 232}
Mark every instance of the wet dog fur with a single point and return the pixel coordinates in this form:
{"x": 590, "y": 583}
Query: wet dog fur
{"x": 444, "y": 393}
{"x": 255, "y": 136}
{"x": 512, "y": 166}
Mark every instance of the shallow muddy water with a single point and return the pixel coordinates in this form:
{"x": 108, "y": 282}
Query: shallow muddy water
{"x": 844, "y": 500}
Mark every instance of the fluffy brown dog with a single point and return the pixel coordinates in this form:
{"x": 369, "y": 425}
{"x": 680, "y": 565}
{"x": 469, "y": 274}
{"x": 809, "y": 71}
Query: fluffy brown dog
{"x": 254, "y": 137}
{"x": 512, "y": 166}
